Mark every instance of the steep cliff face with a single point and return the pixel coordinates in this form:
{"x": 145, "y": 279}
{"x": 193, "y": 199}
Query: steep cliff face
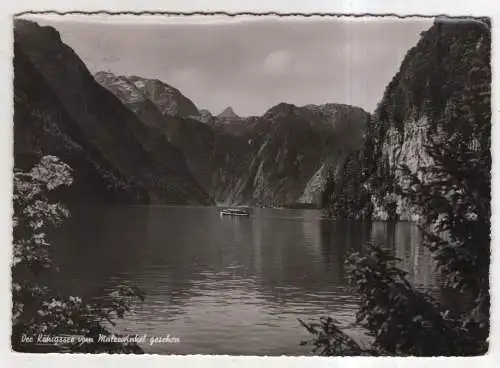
{"x": 61, "y": 110}
{"x": 437, "y": 95}
{"x": 277, "y": 155}
{"x": 42, "y": 126}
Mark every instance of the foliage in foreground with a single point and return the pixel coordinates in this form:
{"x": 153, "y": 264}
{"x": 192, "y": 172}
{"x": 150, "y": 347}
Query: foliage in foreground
{"x": 37, "y": 311}
{"x": 399, "y": 319}
{"x": 454, "y": 201}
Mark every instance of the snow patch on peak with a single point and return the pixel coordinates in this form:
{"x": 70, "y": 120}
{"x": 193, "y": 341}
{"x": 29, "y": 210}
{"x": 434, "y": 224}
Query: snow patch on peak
{"x": 133, "y": 89}
{"x": 139, "y": 84}
{"x": 120, "y": 86}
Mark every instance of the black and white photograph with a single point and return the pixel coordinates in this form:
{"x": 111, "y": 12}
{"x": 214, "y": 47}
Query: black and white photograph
{"x": 251, "y": 185}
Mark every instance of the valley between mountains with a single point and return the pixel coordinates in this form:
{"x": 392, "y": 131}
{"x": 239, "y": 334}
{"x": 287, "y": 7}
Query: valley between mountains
{"x": 133, "y": 140}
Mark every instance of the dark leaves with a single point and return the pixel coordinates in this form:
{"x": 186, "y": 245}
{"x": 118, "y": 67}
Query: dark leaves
{"x": 36, "y": 309}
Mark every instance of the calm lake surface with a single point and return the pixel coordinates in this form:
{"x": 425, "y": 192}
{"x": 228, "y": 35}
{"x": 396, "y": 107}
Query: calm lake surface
{"x": 225, "y": 285}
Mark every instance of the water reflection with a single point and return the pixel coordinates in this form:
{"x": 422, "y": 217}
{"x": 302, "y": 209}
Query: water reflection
{"x": 338, "y": 240}
{"x": 224, "y": 285}
{"x": 405, "y": 239}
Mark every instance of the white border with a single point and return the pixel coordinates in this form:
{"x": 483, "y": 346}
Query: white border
{"x": 401, "y": 7}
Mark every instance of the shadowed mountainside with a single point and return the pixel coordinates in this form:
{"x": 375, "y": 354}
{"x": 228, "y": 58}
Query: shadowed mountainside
{"x": 60, "y": 110}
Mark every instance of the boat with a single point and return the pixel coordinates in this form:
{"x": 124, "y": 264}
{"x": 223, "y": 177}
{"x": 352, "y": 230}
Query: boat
{"x": 234, "y": 212}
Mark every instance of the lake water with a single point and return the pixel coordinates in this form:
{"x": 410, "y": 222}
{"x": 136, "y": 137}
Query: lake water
{"x": 225, "y": 285}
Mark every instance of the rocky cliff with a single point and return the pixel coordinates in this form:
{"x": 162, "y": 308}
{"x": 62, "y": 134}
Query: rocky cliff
{"x": 304, "y": 144}
{"x": 59, "y": 109}
{"x": 439, "y": 93}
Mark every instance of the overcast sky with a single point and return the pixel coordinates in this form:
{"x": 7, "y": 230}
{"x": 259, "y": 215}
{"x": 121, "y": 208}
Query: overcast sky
{"x": 249, "y": 64}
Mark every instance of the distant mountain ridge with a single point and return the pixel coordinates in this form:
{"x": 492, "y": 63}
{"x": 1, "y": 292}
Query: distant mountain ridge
{"x": 265, "y": 161}
{"x": 141, "y": 140}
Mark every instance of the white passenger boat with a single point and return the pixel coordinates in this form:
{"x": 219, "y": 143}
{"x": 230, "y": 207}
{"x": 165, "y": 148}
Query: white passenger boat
{"x": 235, "y": 212}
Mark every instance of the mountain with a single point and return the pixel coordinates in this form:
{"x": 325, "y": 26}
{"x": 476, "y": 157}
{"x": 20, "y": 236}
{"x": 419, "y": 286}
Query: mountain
{"x": 228, "y": 113}
{"x": 269, "y": 160}
{"x": 190, "y": 134}
{"x": 138, "y": 140}
{"x": 441, "y": 93}
{"x": 314, "y": 140}
{"x": 59, "y": 109}
{"x": 266, "y": 160}
{"x": 135, "y": 90}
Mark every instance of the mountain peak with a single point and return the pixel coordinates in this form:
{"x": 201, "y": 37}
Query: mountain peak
{"x": 282, "y": 107}
{"x": 131, "y": 89}
{"x": 228, "y": 113}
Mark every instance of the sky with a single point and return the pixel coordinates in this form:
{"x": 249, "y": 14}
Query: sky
{"x": 248, "y": 63}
